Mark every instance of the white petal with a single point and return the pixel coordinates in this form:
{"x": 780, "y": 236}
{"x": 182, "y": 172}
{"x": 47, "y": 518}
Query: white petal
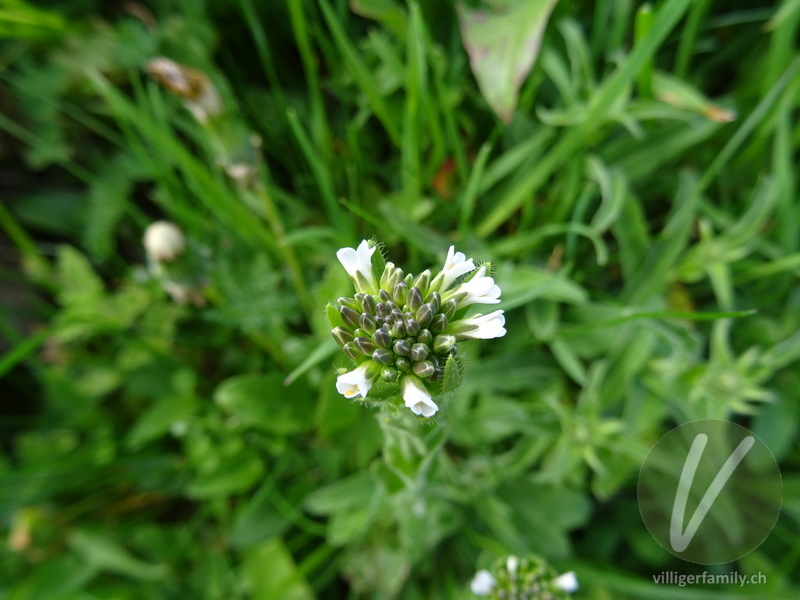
{"x": 355, "y": 383}
{"x": 357, "y": 261}
{"x": 512, "y": 562}
{"x": 488, "y": 326}
{"x": 417, "y": 398}
{"x": 455, "y": 265}
{"x": 483, "y": 583}
{"x": 567, "y": 582}
{"x": 349, "y": 260}
{"x": 480, "y": 289}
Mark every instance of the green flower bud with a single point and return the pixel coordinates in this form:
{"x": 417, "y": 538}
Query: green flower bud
{"x": 385, "y": 297}
{"x": 425, "y": 337}
{"x": 394, "y": 281}
{"x": 439, "y": 323}
{"x": 401, "y": 293}
{"x": 443, "y": 344}
{"x": 382, "y": 356}
{"x": 448, "y": 309}
{"x": 381, "y": 310}
{"x": 435, "y": 298}
{"x": 425, "y": 314}
{"x": 390, "y": 374}
{"x": 367, "y": 322}
{"x": 382, "y": 338}
{"x": 423, "y": 281}
{"x": 402, "y": 364}
{"x": 402, "y": 347}
{"x": 414, "y": 299}
{"x": 398, "y": 330}
{"x": 424, "y": 369}
{"x": 364, "y": 345}
{"x": 349, "y": 316}
{"x": 412, "y": 327}
{"x": 351, "y": 351}
{"x": 341, "y": 335}
{"x": 419, "y": 352}
{"x": 368, "y": 304}
{"x": 349, "y": 302}
{"x": 388, "y": 271}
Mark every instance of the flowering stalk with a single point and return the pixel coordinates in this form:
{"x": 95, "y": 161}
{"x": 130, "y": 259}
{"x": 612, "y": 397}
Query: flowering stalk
{"x": 529, "y": 578}
{"x": 402, "y": 331}
{"x": 236, "y": 150}
{"x": 179, "y": 269}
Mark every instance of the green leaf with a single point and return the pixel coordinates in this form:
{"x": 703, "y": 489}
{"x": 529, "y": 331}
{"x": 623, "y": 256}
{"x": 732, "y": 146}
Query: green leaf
{"x": 104, "y": 553}
{"x": 453, "y": 375}
{"x": 80, "y": 288}
{"x": 271, "y": 572}
{"x": 341, "y": 495}
{"x": 503, "y": 45}
{"x": 258, "y": 519}
{"x": 333, "y": 316}
{"x": 231, "y": 476}
{"x": 263, "y": 401}
{"x": 157, "y": 421}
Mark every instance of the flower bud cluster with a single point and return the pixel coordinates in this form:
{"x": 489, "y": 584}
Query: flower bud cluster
{"x": 528, "y": 578}
{"x": 401, "y": 332}
{"x": 403, "y": 328}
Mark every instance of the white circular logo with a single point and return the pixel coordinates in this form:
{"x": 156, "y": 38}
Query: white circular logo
{"x": 710, "y": 491}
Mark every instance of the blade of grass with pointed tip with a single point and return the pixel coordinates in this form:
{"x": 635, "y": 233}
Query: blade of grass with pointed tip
{"x": 598, "y": 109}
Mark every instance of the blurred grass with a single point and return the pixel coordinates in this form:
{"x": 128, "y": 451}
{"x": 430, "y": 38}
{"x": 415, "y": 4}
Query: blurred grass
{"x": 646, "y": 247}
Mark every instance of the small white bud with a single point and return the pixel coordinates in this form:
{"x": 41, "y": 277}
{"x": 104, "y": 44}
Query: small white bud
{"x": 163, "y": 241}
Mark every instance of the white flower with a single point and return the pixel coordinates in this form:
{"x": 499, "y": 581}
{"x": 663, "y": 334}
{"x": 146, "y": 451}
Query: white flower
{"x": 512, "y": 562}
{"x": 483, "y": 583}
{"x": 480, "y": 289}
{"x": 480, "y": 327}
{"x": 359, "y": 262}
{"x": 417, "y": 398}
{"x": 163, "y": 241}
{"x": 455, "y": 265}
{"x": 567, "y": 582}
{"x": 355, "y": 383}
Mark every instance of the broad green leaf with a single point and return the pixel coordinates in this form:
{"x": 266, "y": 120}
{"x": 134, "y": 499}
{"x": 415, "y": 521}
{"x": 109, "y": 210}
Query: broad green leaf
{"x": 502, "y": 44}
{"x": 271, "y": 572}
{"x": 233, "y": 475}
{"x": 263, "y": 401}
{"x": 258, "y": 519}
{"x": 341, "y": 495}
{"x": 104, "y": 553}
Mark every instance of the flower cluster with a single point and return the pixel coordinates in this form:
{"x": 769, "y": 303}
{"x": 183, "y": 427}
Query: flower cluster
{"x": 403, "y": 330}
{"x": 528, "y": 578}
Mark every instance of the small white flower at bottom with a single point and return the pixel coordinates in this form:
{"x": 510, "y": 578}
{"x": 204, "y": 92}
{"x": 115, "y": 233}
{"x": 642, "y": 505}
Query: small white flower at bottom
{"x": 512, "y": 562}
{"x": 358, "y": 261}
{"x": 567, "y": 582}
{"x": 355, "y": 383}
{"x": 417, "y": 398}
{"x": 483, "y": 583}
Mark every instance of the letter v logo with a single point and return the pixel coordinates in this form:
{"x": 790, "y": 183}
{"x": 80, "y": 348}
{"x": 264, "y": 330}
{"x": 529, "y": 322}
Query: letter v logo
{"x": 680, "y": 540}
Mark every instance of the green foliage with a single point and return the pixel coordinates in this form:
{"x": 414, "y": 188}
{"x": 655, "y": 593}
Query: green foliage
{"x": 638, "y": 204}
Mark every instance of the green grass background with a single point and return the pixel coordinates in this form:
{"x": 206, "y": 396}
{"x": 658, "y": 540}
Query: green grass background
{"x": 163, "y": 451}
